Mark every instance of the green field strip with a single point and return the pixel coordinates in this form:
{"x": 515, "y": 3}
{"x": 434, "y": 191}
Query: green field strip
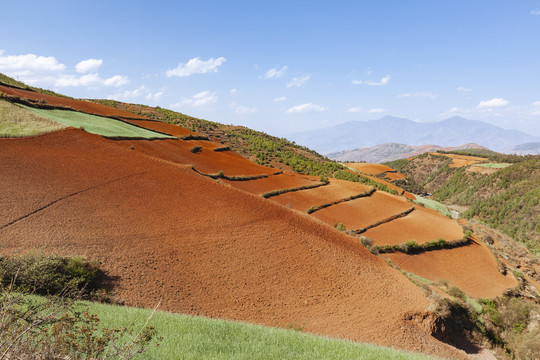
{"x": 494, "y": 165}
{"x": 98, "y": 125}
{"x": 190, "y": 337}
{"x": 432, "y": 204}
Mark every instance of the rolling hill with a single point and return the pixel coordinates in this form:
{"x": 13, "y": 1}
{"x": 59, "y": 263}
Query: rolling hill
{"x": 182, "y": 218}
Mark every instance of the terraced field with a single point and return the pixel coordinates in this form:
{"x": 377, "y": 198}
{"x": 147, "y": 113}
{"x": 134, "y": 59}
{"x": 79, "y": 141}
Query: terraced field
{"x": 148, "y": 211}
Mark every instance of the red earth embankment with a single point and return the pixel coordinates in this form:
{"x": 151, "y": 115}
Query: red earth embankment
{"x": 471, "y": 268}
{"x": 362, "y": 212}
{"x": 276, "y": 182}
{"x": 79, "y": 105}
{"x": 163, "y": 232}
{"x": 422, "y": 225}
{"x": 335, "y": 191}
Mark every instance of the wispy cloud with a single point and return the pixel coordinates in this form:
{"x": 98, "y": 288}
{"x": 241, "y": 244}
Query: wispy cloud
{"x": 275, "y": 73}
{"x": 245, "y": 110}
{"x": 233, "y": 91}
{"x": 90, "y": 80}
{"x": 305, "y": 108}
{"x": 463, "y": 89}
{"x": 196, "y": 66}
{"x": 29, "y": 64}
{"x": 493, "y": 103}
{"x": 298, "y": 81}
{"x": 128, "y": 95}
{"x": 359, "y": 109}
{"x": 88, "y": 65}
{"x": 418, "y": 94}
{"x": 199, "y": 99}
{"x": 384, "y": 81}
{"x": 535, "y": 12}
{"x": 280, "y": 99}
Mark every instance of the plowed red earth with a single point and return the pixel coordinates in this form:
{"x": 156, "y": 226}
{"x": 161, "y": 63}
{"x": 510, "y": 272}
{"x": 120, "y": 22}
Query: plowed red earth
{"x": 369, "y": 168}
{"x": 163, "y": 232}
{"x": 205, "y": 161}
{"x": 471, "y": 268}
{"x": 422, "y": 225}
{"x": 79, "y": 105}
{"x": 275, "y": 182}
{"x": 362, "y": 212}
{"x": 170, "y": 129}
{"x": 462, "y": 160}
{"x": 335, "y": 191}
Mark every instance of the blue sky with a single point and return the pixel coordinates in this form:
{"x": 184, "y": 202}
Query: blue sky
{"x": 286, "y": 66}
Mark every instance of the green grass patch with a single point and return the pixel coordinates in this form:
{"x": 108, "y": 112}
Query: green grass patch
{"x": 494, "y": 165}
{"x": 15, "y": 121}
{"x": 189, "y": 337}
{"x": 432, "y": 204}
{"x": 97, "y": 125}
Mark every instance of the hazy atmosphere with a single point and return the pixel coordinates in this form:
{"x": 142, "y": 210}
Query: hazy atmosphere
{"x": 284, "y": 66}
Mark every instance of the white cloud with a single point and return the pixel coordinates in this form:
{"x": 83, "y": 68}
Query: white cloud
{"x": 89, "y": 80}
{"x": 376, "y": 110}
{"x": 275, "y": 73}
{"x": 495, "y": 102}
{"x": 233, "y": 91}
{"x": 418, "y": 94}
{"x": 88, "y": 65}
{"x": 196, "y": 66}
{"x": 304, "y": 108}
{"x": 154, "y": 96}
{"x": 463, "y": 89}
{"x": 128, "y": 95}
{"x": 116, "y": 80}
{"x": 245, "y": 110}
{"x": 535, "y": 12}
{"x": 356, "y": 109}
{"x": 384, "y": 81}
{"x": 29, "y": 64}
{"x": 280, "y": 99}
{"x": 199, "y": 99}
{"x": 298, "y": 81}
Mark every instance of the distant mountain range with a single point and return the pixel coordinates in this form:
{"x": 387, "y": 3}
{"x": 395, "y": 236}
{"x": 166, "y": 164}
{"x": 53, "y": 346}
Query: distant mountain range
{"x": 450, "y": 132}
{"x": 392, "y": 151}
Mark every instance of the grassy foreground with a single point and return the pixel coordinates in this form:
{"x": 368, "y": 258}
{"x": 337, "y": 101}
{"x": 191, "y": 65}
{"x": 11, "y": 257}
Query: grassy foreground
{"x": 96, "y": 124}
{"x": 188, "y": 337}
{"x": 15, "y": 121}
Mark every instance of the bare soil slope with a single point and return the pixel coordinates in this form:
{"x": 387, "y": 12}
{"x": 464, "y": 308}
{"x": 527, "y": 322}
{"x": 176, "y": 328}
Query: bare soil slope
{"x": 163, "y": 232}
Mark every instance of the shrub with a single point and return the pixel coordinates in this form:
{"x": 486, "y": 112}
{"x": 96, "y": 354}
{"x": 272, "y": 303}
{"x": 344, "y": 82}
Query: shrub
{"x": 375, "y": 249}
{"x": 41, "y": 274}
{"x": 196, "y": 149}
{"x": 410, "y": 247}
{"x": 456, "y": 292}
{"x": 57, "y": 328}
{"x": 340, "y": 227}
{"x": 366, "y": 242}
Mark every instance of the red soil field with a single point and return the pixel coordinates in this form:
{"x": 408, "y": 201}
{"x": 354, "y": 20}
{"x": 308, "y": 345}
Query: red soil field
{"x": 162, "y": 231}
{"x": 394, "y": 176}
{"x": 471, "y": 268}
{"x": 206, "y": 161}
{"x": 374, "y": 169}
{"x": 369, "y": 168}
{"x": 422, "y": 225}
{"x": 336, "y": 190}
{"x": 170, "y": 129}
{"x": 274, "y": 182}
{"x": 79, "y": 105}
{"x": 462, "y": 160}
{"x": 362, "y": 212}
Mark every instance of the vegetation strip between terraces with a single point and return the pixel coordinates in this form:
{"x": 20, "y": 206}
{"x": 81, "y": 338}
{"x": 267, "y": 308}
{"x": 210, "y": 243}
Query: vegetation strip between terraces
{"x": 384, "y": 221}
{"x": 272, "y": 193}
{"x": 357, "y": 196}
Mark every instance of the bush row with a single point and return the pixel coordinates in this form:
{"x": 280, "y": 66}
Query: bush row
{"x": 272, "y": 193}
{"x": 384, "y": 221}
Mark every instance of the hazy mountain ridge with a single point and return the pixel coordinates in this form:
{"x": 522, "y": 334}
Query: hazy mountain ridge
{"x": 450, "y": 132}
{"x": 392, "y": 151}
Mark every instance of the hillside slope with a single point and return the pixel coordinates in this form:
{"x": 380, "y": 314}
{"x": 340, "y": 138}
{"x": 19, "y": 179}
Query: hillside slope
{"x": 163, "y": 232}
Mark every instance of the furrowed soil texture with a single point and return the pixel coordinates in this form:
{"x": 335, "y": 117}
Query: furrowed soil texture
{"x": 162, "y": 231}
{"x": 471, "y": 268}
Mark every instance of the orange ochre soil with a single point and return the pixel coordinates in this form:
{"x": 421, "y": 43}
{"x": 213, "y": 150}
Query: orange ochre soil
{"x": 161, "y": 231}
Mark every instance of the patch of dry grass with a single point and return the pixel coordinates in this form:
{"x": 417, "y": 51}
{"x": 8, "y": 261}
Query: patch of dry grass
{"x": 16, "y": 121}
